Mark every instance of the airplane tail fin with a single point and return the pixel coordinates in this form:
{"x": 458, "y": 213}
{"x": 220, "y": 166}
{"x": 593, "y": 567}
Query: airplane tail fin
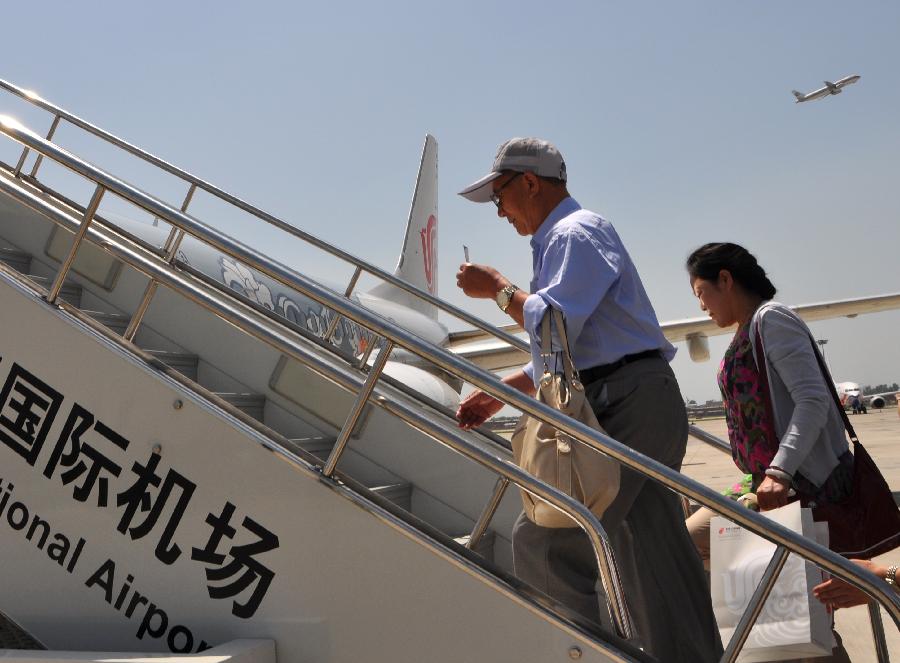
{"x": 798, "y": 95}
{"x": 418, "y": 258}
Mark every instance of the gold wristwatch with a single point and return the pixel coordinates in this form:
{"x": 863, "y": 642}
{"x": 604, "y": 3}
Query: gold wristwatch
{"x": 504, "y": 297}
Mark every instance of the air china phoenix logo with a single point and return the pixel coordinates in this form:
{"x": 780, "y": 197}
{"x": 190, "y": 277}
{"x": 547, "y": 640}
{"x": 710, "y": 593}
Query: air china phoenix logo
{"x": 428, "y": 255}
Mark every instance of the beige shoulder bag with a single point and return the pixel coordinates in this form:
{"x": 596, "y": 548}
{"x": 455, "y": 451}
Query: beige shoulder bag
{"x": 555, "y": 457}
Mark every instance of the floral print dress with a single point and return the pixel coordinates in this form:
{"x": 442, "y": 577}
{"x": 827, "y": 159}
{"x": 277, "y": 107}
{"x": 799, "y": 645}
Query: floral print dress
{"x": 751, "y": 428}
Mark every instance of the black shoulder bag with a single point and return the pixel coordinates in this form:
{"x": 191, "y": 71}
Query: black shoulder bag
{"x": 867, "y": 523}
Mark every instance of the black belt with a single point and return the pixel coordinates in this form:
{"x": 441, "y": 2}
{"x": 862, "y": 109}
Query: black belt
{"x": 595, "y": 373}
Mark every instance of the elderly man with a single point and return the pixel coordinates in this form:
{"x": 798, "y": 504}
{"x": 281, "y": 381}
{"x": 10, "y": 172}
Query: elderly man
{"x": 581, "y": 267}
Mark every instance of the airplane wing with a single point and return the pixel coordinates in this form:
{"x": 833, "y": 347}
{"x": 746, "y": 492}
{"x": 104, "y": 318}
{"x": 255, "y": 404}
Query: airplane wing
{"x": 490, "y": 353}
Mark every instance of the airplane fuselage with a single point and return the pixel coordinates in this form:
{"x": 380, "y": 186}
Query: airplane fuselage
{"x": 829, "y": 89}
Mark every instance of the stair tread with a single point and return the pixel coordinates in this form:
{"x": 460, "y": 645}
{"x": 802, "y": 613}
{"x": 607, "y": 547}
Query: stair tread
{"x": 398, "y": 493}
{"x": 184, "y": 362}
{"x": 315, "y": 444}
{"x": 16, "y": 259}
{"x": 249, "y": 403}
{"x": 70, "y": 292}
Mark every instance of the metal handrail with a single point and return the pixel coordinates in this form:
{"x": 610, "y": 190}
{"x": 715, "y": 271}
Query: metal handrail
{"x": 243, "y": 205}
{"x": 742, "y": 630}
{"x": 481, "y": 379}
{"x": 104, "y": 235}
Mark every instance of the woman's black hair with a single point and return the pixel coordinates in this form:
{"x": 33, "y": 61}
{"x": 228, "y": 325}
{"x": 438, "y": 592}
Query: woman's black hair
{"x": 710, "y": 259}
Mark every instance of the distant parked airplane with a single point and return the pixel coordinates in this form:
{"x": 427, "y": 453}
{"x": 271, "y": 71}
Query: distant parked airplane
{"x": 830, "y": 88}
{"x": 848, "y": 390}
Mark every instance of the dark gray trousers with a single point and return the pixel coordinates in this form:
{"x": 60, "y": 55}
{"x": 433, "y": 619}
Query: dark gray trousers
{"x": 663, "y": 579}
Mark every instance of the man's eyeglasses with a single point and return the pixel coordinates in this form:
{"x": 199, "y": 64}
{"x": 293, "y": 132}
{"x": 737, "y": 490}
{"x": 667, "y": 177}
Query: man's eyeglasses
{"x": 495, "y": 197}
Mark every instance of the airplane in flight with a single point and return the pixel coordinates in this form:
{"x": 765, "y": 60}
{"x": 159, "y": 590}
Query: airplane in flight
{"x": 829, "y": 89}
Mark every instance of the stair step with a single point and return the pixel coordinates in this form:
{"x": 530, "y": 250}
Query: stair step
{"x": 398, "y": 493}
{"x": 485, "y": 546}
{"x": 115, "y": 321}
{"x": 70, "y": 292}
{"x": 321, "y": 445}
{"x": 251, "y": 404}
{"x": 184, "y": 363}
{"x": 18, "y": 260}
{"x": 318, "y": 445}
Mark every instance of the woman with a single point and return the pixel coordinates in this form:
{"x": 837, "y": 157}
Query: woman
{"x": 789, "y": 435}
{"x": 783, "y": 425}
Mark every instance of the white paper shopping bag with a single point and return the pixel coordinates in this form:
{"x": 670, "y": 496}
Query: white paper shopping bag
{"x": 793, "y": 623}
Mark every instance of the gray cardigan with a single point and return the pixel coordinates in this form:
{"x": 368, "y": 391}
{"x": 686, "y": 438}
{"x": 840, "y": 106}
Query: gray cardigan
{"x": 807, "y": 422}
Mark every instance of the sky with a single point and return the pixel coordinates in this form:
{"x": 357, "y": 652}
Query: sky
{"x": 676, "y": 121}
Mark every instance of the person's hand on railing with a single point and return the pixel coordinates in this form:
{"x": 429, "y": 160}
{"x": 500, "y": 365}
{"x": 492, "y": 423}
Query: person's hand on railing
{"x": 476, "y": 408}
{"x": 835, "y": 593}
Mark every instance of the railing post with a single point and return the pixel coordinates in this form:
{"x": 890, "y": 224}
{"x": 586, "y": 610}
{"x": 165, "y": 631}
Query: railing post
{"x": 357, "y": 409}
{"x": 881, "y": 648}
{"x": 53, "y": 293}
{"x": 40, "y": 157}
{"x": 757, "y": 601}
{"x": 490, "y": 508}
{"x": 337, "y": 318}
{"x": 365, "y": 356}
{"x": 170, "y": 250}
{"x": 18, "y": 169}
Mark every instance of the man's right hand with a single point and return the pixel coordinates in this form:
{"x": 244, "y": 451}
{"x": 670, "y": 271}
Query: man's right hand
{"x": 476, "y": 408}
{"x": 480, "y": 281}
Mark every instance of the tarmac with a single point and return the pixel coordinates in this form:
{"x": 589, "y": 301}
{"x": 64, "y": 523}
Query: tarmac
{"x": 879, "y": 432}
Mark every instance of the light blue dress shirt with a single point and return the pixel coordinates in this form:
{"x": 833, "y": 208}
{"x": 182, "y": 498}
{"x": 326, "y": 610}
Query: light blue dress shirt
{"x": 582, "y": 268}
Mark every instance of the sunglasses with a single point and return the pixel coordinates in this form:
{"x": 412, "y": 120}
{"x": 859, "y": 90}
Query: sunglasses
{"x": 495, "y": 197}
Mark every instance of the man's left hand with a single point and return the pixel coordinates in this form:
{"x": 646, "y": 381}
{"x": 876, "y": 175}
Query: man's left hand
{"x": 480, "y": 281}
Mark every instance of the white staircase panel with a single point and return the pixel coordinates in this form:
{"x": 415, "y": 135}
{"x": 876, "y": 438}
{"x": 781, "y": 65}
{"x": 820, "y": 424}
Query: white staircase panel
{"x": 345, "y": 587}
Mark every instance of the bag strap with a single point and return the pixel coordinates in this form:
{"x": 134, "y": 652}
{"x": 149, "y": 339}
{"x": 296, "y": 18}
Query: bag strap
{"x": 555, "y": 315}
{"x": 834, "y": 396}
{"x": 823, "y": 369}
{"x": 767, "y": 392}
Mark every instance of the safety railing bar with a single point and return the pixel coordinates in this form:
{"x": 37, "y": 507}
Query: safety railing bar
{"x": 487, "y": 514}
{"x": 57, "y": 285}
{"x": 80, "y": 209}
{"x": 881, "y": 648}
{"x": 170, "y": 250}
{"x": 716, "y": 442}
{"x": 357, "y": 410}
{"x": 264, "y": 216}
{"x": 579, "y": 513}
{"x": 874, "y": 610}
{"x": 282, "y": 339}
{"x": 347, "y": 292}
{"x": 755, "y": 606}
{"x": 40, "y": 157}
{"x": 479, "y": 378}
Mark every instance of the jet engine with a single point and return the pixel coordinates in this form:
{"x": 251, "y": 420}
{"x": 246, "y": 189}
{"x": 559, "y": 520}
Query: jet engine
{"x": 698, "y": 346}
{"x": 877, "y": 402}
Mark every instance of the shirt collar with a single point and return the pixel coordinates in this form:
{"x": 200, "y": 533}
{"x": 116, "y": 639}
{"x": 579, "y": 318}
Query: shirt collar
{"x": 566, "y": 206}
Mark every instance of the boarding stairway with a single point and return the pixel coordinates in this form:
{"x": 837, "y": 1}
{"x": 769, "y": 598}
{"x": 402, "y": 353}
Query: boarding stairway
{"x": 379, "y": 482}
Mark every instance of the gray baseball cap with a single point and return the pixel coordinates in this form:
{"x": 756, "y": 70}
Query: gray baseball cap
{"x": 522, "y": 155}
